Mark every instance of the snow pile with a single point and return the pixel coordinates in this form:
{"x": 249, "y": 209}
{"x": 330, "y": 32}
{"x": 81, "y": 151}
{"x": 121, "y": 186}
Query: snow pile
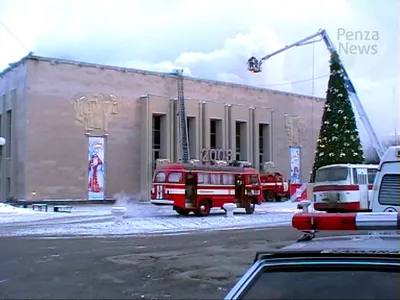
{"x": 13, "y": 215}
{"x": 6, "y": 208}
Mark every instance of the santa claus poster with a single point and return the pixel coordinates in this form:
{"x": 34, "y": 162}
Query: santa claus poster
{"x": 295, "y": 165}
{"x": 96, "y": 168}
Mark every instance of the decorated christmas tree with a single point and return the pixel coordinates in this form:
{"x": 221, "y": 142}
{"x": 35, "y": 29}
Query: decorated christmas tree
{"x": 338, "y": 140}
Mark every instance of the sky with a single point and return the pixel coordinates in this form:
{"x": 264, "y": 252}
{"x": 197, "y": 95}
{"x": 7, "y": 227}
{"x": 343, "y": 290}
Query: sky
{"x": 214, "y": 39}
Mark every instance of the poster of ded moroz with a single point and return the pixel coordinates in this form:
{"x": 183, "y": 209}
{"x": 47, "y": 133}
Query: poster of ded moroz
{"x": 295, "y": 165}
{"x": 96, "y": 168}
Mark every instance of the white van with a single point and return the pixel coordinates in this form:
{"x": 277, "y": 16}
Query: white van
{"x": 386, "y": 196}
{"x": 344, "y": 187}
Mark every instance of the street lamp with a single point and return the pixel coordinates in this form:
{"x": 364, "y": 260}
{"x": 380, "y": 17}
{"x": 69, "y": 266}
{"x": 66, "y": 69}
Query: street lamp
{"x": 2, "y": 141}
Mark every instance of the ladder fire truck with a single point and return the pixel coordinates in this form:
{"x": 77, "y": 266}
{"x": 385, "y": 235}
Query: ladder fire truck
{"x": 254, "y": 66}
{"x": 191, "y": 186}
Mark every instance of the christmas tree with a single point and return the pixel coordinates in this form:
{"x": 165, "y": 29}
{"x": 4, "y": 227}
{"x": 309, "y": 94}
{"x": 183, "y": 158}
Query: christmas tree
{"x": 338, "y": 140}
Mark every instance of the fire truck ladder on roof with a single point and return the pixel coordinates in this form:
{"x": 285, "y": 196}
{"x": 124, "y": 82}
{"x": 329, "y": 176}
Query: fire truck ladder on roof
{"x": 254, "y": 65}
{"x": 182, "y": 120}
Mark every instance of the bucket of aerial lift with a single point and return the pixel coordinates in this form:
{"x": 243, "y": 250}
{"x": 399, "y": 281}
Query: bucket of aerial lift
{"x": 253, "y": 65}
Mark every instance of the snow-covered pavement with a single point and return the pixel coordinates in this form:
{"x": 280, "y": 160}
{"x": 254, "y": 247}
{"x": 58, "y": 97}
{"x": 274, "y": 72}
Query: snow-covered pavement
{"x": 96, "y": 220}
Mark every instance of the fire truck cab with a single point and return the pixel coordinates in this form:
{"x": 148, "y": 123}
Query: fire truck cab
{"x": 197, "y": 187}
{"x": 275, "y": 186}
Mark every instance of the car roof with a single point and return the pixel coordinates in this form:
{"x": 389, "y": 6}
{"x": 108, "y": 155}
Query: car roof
{"x": 374, "y": 241}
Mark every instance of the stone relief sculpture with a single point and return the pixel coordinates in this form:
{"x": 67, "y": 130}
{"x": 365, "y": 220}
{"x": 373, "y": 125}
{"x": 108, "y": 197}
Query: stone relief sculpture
{"x": 294, "y": 129}
{"x": 94, "y": 111}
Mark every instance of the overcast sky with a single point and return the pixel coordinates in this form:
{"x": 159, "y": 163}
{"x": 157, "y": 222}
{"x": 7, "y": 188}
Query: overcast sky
{"x": 214, "y": 39}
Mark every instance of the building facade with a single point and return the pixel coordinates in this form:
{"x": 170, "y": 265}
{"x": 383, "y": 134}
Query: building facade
{"x": 59, "y": 117}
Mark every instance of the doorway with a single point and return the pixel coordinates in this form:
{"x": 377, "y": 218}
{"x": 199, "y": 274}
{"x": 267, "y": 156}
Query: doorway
{"x": 190, "y": 190}
{"x": 239, "y": 188}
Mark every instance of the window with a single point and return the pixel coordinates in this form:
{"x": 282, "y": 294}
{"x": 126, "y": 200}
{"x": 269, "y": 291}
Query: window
{"x": 156, "y": 139}
{"x": 213, "y": 134}
{"x": 237, "y": 140}
{"x": 191, "y": 122}
{"x": 365, "y": 179}
{"x": 8, "y": 132}
{"x": 228, "y": 179}
{"x": 389, "y": 190}
{"x": 215, "y": 178}
{"x": 160, "y": 177}
{"x": 254, "y": 179}
{"x": 332, "y": 174}
{"x": 371, "y": 175}
{"x": 156, "y": 132}
{"x": 156, "y": 155}
{"x": 203, "y": 178}
{"x": 175, "y": 177}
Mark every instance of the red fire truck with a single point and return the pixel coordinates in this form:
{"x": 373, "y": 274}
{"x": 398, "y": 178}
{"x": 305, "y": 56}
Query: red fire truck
{"x": 274, "y": 186}
{"x": 197, "y": 188}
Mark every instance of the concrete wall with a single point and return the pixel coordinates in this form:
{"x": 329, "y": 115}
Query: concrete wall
{"x": 118, "y": 104}
{"x": 13, "y": 99}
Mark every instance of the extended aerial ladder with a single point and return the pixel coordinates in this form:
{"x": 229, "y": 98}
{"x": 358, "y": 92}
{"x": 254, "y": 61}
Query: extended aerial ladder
{"x": 254, "y": 65}
{"x": 182, "y": 120}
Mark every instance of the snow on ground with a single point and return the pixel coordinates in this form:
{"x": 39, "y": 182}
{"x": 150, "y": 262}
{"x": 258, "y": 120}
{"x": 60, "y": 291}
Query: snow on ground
{"x": 11, "y": 214}
{"x": 140, "y": 218}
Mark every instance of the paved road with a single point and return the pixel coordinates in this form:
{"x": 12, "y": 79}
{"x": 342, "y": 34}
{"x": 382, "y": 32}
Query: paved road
{"x": 192, "y": 266}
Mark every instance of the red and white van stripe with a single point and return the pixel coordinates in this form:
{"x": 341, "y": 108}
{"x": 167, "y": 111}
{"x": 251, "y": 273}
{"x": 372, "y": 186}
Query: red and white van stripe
{"x": 339, "y": 188}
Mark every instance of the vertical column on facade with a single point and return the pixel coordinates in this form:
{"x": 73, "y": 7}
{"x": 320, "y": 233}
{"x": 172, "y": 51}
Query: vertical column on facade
{"x": 206, "y": 126}
{"x": 146, "y": 145}
{"x": 232, "y": 131}
{"x": 228, "y": 127}
{"x": 171, "y": 140}
{"x": 256, "y": 140}
{"x": 251, "y": 137}
{"x": 271, "y": 135}
{"x": 226, "y": 141}
{"x": 194, "y": 130}
{"x": 220, "y": 131}
{"x": 199, "y": 128}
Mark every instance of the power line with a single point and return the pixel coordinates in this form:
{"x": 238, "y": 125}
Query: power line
{"x": 13, "y": 35}
{"x": 293, "y": 82}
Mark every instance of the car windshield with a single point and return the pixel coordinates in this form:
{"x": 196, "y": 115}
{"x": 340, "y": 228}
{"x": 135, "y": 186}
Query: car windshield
{"x": 340, "y": 284}
{"x": 332, "y": 174}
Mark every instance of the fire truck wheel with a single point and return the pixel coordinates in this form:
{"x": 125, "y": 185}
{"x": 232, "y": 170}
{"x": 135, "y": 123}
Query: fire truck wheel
{"x": 183, "y": 212}
{"x": 204, "y": 208}
{"x": 250, "y": 206}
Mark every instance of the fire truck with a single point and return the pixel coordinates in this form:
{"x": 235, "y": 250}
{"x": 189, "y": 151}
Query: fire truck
{"x": 274, "y": 186}
{"x": 195, "y": 187}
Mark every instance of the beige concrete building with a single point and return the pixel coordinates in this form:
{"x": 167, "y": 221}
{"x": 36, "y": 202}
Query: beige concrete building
{"x": 50, "y": 108}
